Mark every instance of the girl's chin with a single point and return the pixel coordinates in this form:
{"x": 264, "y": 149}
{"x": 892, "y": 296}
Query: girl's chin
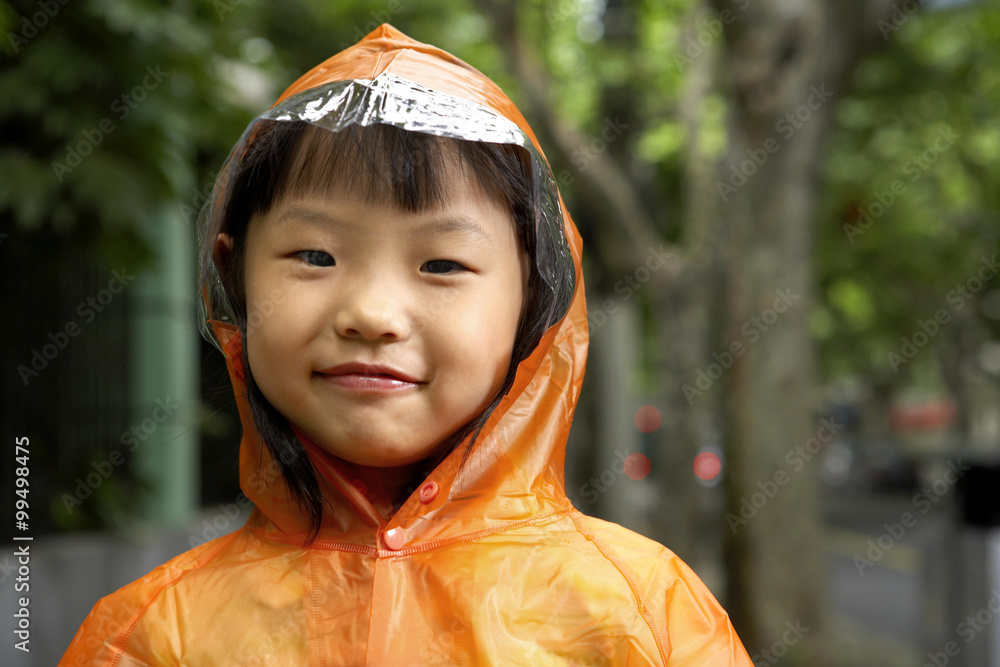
{"x": 385, "y": 463}
{"x": 369, "y": 450}
{"x": 387, "y": 460}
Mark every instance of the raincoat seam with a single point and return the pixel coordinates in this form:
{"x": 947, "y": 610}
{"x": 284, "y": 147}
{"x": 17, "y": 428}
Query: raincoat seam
{"x": 643, "y": 610}
{"x": 325, "y": 546}
{"x": 313, "y": 606}
{"x": 471, "y": 537}
{"x": 371, "y": 613}
{"x": 428, "y": 546}
{"x": 142, "y": 612}
{"x": 378, "y": 61}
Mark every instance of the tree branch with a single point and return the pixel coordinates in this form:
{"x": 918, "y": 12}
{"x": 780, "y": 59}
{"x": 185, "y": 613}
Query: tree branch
{"x": 604, "y": 184}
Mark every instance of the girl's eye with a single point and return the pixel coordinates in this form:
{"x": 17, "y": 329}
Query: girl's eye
{"x": 444, "y": 264}
{"x": 315, "y": 257}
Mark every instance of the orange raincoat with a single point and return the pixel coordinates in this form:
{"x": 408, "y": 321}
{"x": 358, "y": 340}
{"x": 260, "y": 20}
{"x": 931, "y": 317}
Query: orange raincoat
{"x": 485, "y": 564}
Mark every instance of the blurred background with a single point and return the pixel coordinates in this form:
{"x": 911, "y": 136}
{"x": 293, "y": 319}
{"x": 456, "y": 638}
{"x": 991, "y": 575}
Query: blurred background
{"x": 790, "y": 213}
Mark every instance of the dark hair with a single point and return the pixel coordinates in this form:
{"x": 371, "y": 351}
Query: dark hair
{"x": 380, "y": 163}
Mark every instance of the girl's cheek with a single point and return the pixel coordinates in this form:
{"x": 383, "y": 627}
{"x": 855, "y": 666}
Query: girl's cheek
{"x": 257, "y": 316}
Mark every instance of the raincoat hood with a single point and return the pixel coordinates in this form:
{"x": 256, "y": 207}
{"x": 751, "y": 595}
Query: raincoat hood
{"x": 487, "y": 563}
{"x": 515, "y": 470}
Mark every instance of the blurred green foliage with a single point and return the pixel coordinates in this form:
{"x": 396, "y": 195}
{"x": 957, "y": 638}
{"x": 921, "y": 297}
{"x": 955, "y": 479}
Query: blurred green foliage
{"x": 923, "y": 116}
{"x": 106, "y": 108}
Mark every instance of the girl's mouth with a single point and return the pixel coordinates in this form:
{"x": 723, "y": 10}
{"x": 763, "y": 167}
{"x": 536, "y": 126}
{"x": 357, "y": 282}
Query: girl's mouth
{"x": 368, "y": 383}
{"x": 369, "y": 370}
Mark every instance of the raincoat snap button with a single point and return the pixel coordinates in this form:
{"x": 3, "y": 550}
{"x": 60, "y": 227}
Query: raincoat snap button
{"x": 393, "y": 538}
{"x": 360, "y": 486}
{"x": 428, "y": 492}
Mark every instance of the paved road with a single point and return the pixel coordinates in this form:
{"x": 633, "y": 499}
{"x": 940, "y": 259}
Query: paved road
{"x": 909, "y": 587}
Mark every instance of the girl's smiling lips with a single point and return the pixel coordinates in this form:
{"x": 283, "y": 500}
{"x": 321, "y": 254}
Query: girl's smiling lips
{"x": 368, "y": 377}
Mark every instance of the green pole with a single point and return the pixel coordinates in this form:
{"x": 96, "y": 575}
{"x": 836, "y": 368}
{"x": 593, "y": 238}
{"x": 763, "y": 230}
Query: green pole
{"x": 165, "y": 353}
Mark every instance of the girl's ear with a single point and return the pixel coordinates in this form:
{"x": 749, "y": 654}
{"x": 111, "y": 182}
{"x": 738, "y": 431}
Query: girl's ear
{"x": 223, "y": 249}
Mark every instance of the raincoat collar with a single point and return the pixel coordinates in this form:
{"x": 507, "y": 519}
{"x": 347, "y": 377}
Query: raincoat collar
{"x": 515, "y": 473}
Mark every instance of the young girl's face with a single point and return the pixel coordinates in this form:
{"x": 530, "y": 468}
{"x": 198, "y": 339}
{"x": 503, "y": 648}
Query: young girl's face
{"x": 434, "y": 295}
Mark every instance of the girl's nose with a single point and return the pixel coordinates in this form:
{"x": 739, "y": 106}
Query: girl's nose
{"x": 373, "y": 314}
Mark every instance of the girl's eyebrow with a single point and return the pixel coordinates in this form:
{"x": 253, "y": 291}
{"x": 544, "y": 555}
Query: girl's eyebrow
{"x": 458, "y": 224}
{"x": 454, "y": 224}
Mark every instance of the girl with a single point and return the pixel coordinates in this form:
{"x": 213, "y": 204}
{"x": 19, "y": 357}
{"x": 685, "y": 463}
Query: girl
{"x": 388, "y": 268}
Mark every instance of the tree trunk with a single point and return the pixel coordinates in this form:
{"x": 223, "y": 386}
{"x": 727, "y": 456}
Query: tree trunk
{"x": 789, "y": 63}
{"x": 683, "y": 317}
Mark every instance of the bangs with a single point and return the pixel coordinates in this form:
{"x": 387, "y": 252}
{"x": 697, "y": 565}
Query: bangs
{"x": 377, "y": 163}
{"x": 381, "y": 164}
